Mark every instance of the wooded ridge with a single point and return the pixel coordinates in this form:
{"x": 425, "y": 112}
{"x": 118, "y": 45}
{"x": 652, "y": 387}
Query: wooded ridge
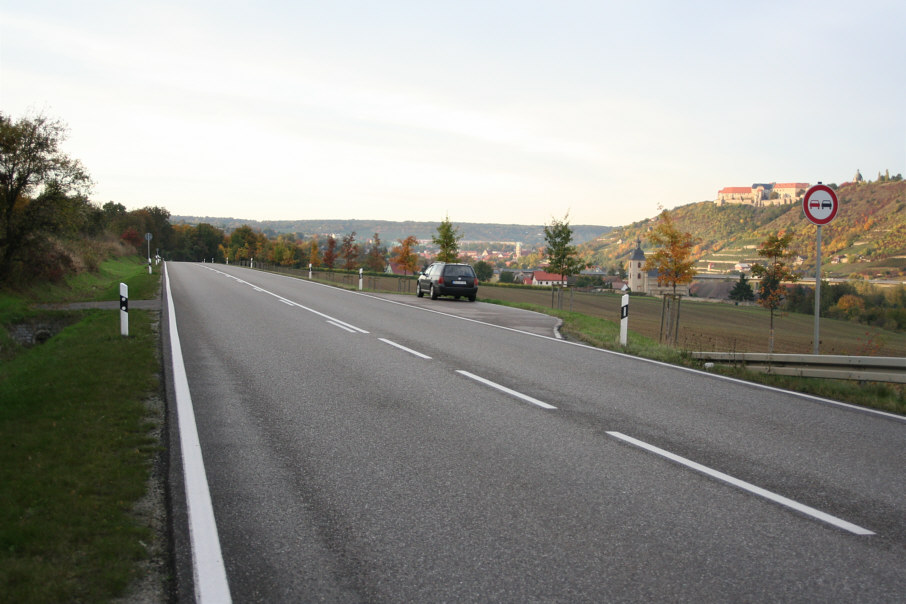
{"x": 389, "y": 231}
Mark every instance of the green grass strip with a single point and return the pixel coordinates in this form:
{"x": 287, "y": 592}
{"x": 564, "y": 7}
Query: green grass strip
{"x": 75, "y": 455}
{"x": 104, "y": 283}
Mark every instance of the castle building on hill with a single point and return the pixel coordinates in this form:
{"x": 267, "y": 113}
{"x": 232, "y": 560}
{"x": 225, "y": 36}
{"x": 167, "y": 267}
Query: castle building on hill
{"x": 763, "y": 194}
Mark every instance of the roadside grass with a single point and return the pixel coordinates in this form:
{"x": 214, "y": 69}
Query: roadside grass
{"x": 709, "y": 326}
{"x": 76, "y": 448}
{"x": 103, "y": 284}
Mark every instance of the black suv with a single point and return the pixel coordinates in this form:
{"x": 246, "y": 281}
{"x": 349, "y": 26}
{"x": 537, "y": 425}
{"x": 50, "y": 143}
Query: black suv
{"x": 448, "y": 279}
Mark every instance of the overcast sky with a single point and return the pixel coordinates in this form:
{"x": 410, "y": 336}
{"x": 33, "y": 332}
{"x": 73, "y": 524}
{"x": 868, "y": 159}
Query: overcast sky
{"x": 511, "y": 112}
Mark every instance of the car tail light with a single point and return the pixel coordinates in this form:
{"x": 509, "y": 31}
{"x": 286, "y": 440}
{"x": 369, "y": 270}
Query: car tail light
{"x": 440, "y": 280}
{"x": 476, "y": 282}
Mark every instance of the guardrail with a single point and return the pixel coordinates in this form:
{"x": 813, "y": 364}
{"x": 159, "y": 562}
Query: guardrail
{"x": 838, "y": 367}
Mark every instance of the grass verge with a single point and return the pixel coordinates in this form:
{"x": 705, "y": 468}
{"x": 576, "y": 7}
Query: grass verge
{"x": 603, "y": 333}
{"x": 76, "y": 450}
{"x": 103, "y": 284}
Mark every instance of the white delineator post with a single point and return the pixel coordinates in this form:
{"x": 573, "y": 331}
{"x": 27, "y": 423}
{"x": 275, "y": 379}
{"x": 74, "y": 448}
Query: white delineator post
{"x": 624, "y": 319}
{"x": 360, "y": 279}
{"x": 309, "y": 270}
{"x": 148, "y": 237}
{"x": 124, "y": 309}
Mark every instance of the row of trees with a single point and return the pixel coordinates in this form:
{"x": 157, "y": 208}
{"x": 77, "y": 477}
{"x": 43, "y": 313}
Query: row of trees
{"x": 204, "y": 241}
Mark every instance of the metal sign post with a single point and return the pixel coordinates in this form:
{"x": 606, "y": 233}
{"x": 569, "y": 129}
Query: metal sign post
{"x": 816, "y": 338}
{"x": 820, "y": 206}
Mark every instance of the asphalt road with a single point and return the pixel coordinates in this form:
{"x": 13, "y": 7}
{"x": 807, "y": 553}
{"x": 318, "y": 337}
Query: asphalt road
{"x": 363, "y": 449}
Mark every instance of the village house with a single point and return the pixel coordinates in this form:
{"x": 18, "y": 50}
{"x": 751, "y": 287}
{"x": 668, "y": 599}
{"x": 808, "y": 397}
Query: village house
{"x": 542, "y": 278}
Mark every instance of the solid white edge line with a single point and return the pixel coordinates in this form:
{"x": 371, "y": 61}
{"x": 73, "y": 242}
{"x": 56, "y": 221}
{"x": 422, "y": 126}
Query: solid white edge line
{"x": 509, "y": 391}
{"x": 401, "y": 347}
{"x": 746, "y": 486}
{"x": 208, "y": 570}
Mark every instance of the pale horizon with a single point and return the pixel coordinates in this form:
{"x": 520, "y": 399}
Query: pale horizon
{"x": 495, "y": 112}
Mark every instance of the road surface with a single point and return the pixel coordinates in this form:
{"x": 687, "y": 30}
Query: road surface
{"x": 359, "y": 448}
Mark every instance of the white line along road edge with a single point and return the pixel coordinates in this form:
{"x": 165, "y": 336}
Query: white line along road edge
{"x": 207, "y": 561}
{"x": 751, "y": 488}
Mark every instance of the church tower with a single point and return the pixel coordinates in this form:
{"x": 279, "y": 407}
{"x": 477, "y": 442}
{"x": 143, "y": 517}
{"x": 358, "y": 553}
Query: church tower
{"x": 637, "y": 277}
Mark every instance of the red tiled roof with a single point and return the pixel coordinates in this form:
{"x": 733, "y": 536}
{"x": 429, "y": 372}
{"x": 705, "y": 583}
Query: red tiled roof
{"x": 792, "y": 185}
{"x": 734, "y": 190}
{"x": 543, "y": 276}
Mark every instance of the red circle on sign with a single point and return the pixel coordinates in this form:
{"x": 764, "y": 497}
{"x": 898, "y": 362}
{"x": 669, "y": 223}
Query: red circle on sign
{"x": 820, "y": 204}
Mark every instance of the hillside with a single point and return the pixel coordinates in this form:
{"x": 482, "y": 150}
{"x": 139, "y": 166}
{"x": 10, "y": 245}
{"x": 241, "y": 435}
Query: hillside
{"x": 868, "y": 235}
{"x": 529, "y": 235}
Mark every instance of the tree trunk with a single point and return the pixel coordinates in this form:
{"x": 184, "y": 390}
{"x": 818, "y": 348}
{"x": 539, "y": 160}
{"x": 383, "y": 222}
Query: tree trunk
{"x": 670, "y": 313}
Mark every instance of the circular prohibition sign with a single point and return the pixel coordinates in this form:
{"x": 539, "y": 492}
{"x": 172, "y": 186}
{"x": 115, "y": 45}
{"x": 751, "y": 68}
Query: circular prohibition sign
{"x": 820, "y": 204}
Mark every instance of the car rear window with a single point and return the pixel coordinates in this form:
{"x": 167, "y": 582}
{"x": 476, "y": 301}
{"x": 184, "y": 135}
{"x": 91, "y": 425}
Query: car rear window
{"x": 458, "y": 271}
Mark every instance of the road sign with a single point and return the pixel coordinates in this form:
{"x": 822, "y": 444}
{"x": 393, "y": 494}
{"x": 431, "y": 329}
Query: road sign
{"x": 820, "y": 204}
{"x": 148, "y": 236}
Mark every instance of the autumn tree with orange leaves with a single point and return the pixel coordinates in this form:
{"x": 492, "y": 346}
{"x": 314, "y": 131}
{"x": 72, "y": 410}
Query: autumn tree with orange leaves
{"x": 674, "y": 264}
{"x": 314, "y": 253}
{"x": 330, "y": 254}
{"x": 375, "y": 259}
{"x": 350, "y": 252}
{"x": 404, "y": 254}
